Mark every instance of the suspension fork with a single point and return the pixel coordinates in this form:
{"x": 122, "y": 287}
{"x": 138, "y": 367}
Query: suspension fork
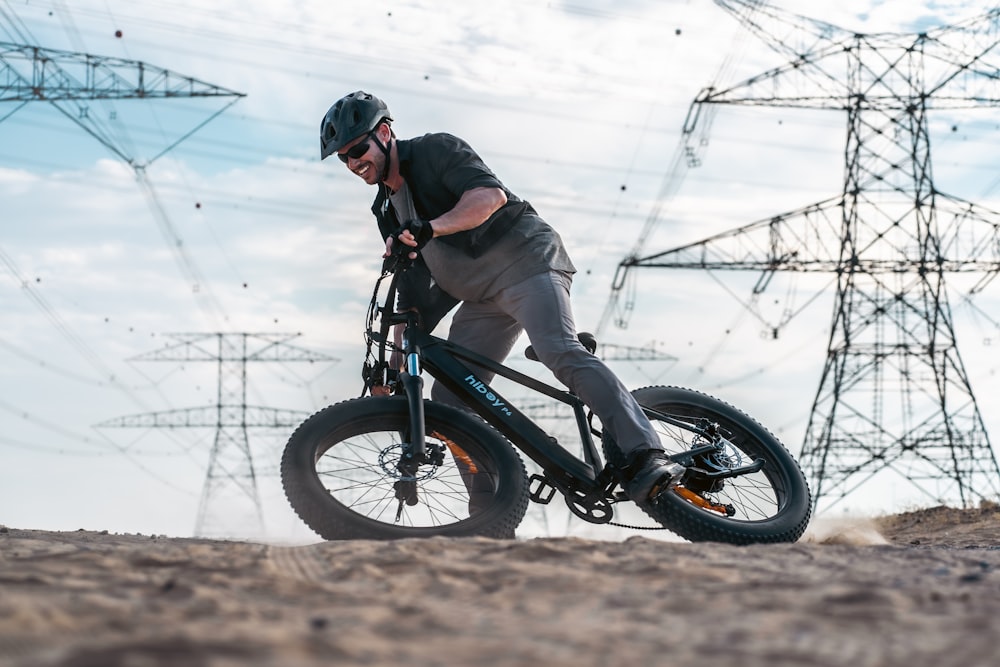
{"x": 413, "y": 385}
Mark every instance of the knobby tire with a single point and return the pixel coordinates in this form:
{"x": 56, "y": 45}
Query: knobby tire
{"x": 338, "y": 471}
{"x": 772, "y": 505}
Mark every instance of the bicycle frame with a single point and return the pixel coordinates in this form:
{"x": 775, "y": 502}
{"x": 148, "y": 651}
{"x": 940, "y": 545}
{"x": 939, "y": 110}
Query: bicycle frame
{"x": 586, "y": 483}
{"x": 443, "y": 361}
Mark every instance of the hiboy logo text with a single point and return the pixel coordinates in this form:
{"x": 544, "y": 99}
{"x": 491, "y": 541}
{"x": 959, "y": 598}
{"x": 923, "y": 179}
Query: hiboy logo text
{"x": 476, "y": 384}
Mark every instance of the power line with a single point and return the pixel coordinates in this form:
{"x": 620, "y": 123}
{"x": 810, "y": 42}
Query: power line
{"x": 687, "y": 155}
{"x": 64, "y": 329}
{"x": 371, "y": 48}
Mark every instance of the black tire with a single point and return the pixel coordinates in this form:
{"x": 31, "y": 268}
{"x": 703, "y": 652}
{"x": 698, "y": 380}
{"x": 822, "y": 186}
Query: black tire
{"x": 772, "y": 505}
{"x": 338, "y": 471}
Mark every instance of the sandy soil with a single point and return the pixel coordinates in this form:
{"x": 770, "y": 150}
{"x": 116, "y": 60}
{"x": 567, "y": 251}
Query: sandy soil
{"x": 915, "y": 589}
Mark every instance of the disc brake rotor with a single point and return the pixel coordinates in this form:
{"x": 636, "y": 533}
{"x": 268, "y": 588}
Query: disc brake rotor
{"x": 389, "y": 459}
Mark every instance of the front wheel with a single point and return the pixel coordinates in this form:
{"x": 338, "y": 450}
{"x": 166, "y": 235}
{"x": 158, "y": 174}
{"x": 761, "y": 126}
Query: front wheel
{"x": 770, "y": 505}
{"x": 344, "y": 474}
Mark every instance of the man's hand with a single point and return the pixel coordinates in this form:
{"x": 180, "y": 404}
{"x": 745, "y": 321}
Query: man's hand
{"x": 416, "y": 233}
{"x": 393, "y": 261}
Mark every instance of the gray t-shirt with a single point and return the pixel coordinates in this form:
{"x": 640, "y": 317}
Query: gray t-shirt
{"x": 528, "y": 248}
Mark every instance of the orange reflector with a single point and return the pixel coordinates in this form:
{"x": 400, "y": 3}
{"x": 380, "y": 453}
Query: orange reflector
{"x": 692, "y": 497}
{"x": 458, "y": 453}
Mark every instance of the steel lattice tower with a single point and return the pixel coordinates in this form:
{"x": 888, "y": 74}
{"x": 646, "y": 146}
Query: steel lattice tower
{"x": 231, "y": 470}
{"x": 894, "y": 392}
{"x": 67, "y": 79}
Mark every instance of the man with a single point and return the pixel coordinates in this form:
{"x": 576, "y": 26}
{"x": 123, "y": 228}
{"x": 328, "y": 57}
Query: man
{"x": 475, "y": 242}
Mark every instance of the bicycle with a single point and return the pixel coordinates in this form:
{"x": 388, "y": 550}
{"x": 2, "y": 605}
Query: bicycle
{"x": 398, "y": 465}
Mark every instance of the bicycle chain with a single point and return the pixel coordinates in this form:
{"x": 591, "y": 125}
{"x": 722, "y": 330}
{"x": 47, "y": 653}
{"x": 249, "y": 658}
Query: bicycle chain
{"x": 625, "y": 525}
{"x": 631, "y": 527}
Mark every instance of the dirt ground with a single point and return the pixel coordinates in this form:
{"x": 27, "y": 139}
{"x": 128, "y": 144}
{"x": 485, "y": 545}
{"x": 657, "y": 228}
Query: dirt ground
{"x": 914, "y": 589}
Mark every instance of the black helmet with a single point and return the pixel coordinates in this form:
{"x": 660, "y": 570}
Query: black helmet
{"x": 352, "y": 116}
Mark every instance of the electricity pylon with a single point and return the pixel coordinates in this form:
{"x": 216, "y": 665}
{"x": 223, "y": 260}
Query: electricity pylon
{"x": 894, "y": 392}
{"x": 231, "y": 467}
{"x": 67, "y": 79}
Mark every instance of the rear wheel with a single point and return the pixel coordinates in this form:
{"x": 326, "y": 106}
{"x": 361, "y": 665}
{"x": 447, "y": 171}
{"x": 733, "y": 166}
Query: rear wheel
{"x": 770, "y": 505}
{"x": 342, "y": 475}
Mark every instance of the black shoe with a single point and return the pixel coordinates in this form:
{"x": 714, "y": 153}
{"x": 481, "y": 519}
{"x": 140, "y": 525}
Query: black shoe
{"x": 648, "y": 473}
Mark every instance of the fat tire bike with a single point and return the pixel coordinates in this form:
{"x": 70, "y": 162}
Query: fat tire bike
{"x": 391, "y": 464}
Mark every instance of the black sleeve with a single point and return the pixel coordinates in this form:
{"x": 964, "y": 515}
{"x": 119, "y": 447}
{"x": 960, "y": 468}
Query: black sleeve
{"x": 460, "y": 168}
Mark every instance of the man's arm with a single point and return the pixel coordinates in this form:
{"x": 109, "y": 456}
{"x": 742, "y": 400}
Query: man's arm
{"x": 473, "y": 208}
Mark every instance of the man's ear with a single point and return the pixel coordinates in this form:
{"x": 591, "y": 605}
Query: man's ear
{"x": 384, "y": 133}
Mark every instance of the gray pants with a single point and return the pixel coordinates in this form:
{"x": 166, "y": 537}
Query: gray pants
{"x": 540, "y": 306}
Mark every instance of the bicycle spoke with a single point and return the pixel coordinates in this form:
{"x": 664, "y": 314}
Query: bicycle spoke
{"x": 360, "y": 472}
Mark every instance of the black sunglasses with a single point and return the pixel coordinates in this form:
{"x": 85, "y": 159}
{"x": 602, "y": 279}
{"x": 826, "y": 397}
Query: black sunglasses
{"x": 357, "y": 150}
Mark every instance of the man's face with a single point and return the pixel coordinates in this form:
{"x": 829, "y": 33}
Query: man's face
{"x": 364, "y": 157}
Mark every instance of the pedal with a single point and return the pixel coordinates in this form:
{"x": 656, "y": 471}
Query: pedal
{"x": 543, "y": 492}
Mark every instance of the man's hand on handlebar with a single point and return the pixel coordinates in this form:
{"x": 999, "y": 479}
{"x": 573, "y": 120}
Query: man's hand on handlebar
{"x": 413, "y": 233}
{"x": 391, "y": 251}
{"x": 393, "y": 258}
{"x": 416, "y": 233}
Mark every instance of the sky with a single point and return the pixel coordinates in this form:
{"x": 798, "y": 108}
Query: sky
{"x": 107, "y": 248}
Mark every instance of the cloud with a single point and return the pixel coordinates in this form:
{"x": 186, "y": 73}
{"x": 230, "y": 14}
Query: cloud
{"x": 567, "y": 102}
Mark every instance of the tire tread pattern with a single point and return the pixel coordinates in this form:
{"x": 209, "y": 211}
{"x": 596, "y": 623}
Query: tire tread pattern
{"x": 697, "y": 525}
{"x": 333, "y": 521}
